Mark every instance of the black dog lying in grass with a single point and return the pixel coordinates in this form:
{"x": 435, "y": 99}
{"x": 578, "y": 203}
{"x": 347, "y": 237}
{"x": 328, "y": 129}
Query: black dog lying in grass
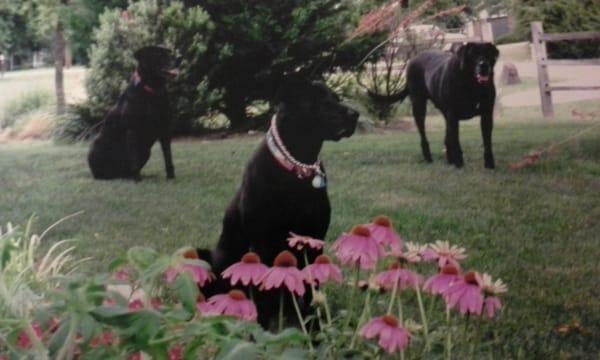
{"x": 284, "y": 186}
{"x": 139, "y": 119}
{"x": 461, "y": 86}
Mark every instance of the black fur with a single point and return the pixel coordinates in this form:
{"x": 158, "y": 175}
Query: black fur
{"x": 140, "y": 117}
{"x": 453, "y": 82}
{"x": 272, "y": 201}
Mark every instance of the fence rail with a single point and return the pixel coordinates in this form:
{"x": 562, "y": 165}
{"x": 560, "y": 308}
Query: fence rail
{"x": 542, "y": 62}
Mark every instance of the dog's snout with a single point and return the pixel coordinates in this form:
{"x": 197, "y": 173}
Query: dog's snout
{"x": 484, "y": 67}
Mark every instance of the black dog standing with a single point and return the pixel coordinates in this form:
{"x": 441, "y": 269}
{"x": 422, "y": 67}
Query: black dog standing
{"x": 461, "y": 86}
{"x": 284, "y": 185}
{"x": 139, "y": 119}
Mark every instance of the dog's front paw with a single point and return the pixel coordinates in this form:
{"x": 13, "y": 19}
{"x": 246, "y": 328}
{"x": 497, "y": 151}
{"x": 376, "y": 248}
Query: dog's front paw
{"x": 489, "y": 162}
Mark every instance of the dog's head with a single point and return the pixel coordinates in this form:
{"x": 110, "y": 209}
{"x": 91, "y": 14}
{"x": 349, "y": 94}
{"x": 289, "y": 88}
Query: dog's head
{"x": 317, "y": 108}
{"x": 156, "y": 64}
{"x": 478, "y": 59}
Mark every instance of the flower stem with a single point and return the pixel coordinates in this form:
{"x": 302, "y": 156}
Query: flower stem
{"x": 476, "y": 340}
{"x": 301, "y": 319}
{"x": 327, "y": 312}
{"x": 423, "y": 318}
{"x": 448, "y": 335}
{"x": 393, "y": 297}
{"x": 352, "y": 297}
{"x": 281, "y": 293}
{"x": 312, "y": 289}
{"x": 360, "y": 319}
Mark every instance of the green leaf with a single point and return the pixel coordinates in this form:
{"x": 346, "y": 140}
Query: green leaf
{"x": 87, "y": 327}
{"x": 238, "y": 350}
{"x": 141, "y": 257}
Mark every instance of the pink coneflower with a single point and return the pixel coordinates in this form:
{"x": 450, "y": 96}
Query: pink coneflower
{"x": 491, "y": 303}
{"x": 300, "y": 242}
{"x": 398, "y": 275}
{"x": 284, "y": 272}
{"x": 444, "y": 254}
{"x": 248, "y": 271}
{"x": 392, "y": 336}
{"x": 439, "y": 283}
{"x": 234, "y": 304}
{"x": 124, "y": 274}
{"x": 191, "y": 264}
{"x": 382, "y": 231}
{"x": 176, "y": 353}
{"x": 322, "y": 271}
{"x": 358, "y": 248}
{"x": 465, "y": 295}
{"x": 204, "y": 308}
{"x": 24, "y": 342}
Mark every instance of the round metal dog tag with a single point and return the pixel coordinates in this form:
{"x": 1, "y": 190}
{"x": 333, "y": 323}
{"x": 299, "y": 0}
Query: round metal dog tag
{"x": 319, "y": 182}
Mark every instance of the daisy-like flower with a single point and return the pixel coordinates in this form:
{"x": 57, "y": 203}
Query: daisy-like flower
{"x": 322, "y": 271}
{"x": 465, "y": 294}
{"x": 392, "y": 336}
{"x": 439, "y": 283}
{"x": 284, "y": 272}
{"x": 412, "y": 255}
{"x": 300, "y": 242}
{"x": 491, "y": 290}
{"x": 248, "y": 271}
{"x": 359, "y": 248}
{"x": 190, "y": 263}
{"x": 234, "y": 304}
{"x": 396, "y": 274}
{"x": 443, "y": 253}
{"x": 383, "y": 232}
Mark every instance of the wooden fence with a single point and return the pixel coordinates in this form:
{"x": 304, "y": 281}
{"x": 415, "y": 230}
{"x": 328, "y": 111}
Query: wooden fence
{"x": 542, "y": 62}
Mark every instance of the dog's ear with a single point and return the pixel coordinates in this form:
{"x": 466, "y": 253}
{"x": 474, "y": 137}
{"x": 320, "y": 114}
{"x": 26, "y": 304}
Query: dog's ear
{"x": 463, "y": 53}
{"x": 205, "y": 255}
{"x": 492, "y": 51}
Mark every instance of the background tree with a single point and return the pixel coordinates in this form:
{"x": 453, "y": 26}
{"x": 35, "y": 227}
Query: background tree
{"x": 257, "y": 43}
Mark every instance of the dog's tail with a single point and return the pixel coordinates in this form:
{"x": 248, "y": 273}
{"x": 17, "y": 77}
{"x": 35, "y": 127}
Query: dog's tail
{"x": 389, "y": 99}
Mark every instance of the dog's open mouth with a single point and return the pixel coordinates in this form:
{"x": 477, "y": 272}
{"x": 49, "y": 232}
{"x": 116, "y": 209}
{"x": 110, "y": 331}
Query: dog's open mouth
{"x": 483, "y": 79}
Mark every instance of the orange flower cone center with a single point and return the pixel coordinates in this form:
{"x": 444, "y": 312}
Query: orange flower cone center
{"x": 449, "y": 270}
{"x": 285, "y": 259}
{"x": 361, "y": 231}
{"x": 237, "y": 295}
{"x": 191, "y": 254}
{"x": 383, "y": 221}
{"x": 470, "y": 278}
{"x": 200, "y": 298}
{"x": 322, "y": 259}
{"x": 390, "y": 320}
{"x": 395, "y": 266}
{"x": 251, "y": 258}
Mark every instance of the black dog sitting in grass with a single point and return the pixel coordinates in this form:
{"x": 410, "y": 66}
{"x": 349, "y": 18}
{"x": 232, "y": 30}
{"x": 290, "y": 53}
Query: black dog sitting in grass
{"x": 139, "y": 119}
{"x": 284, "y": 186}
{"x": 461, "y": 86}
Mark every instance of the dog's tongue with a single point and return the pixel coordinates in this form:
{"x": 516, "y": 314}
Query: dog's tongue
{"x": 483, "y": 79}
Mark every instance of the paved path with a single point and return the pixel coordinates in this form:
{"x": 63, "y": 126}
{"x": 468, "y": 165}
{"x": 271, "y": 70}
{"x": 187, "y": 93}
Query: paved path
{"x": 563, "y": 75}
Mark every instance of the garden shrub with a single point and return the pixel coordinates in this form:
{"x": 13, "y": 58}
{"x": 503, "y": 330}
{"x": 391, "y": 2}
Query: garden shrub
{"x": 184, "y": 30}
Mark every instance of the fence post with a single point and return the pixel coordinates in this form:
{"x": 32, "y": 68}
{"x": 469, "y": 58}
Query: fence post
{"x": 541, "y": 58}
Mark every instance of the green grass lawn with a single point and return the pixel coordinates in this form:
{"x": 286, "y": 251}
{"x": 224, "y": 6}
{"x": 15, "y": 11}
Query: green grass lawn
{"x": 537, "y": 229}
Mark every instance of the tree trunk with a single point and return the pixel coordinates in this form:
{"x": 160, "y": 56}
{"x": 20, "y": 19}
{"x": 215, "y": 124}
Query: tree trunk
{"x": 59, "y": 63}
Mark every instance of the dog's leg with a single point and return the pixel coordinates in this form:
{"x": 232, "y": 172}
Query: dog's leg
{"x": 487, "y": 124}
{"x": 453, "y": 149}
{"x": 165, "y": 144}
{"x": 419, "y": 108}
{"x": 132, "y": 155}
